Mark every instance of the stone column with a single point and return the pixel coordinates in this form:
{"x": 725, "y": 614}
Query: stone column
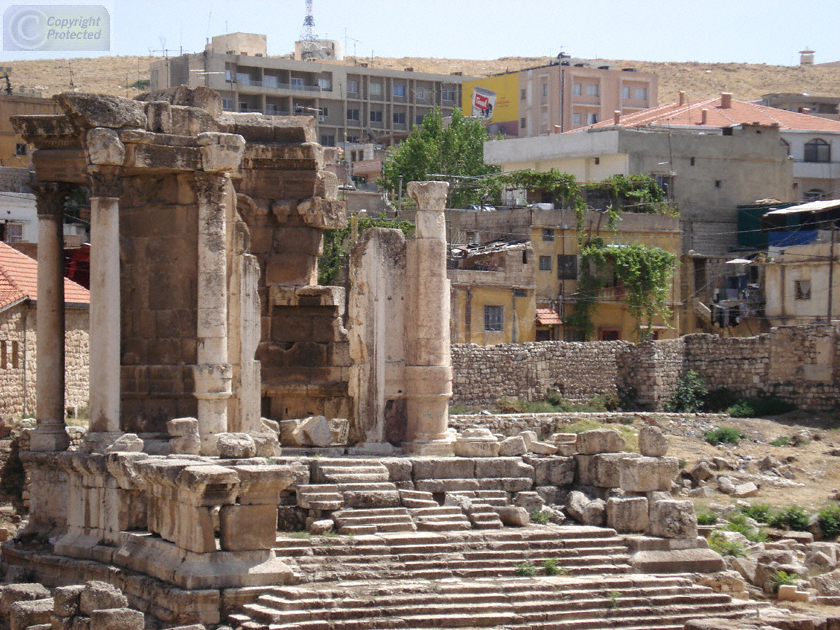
{"x": 50, "y": 434}
{"x": 428, "y": 371}
{"x": 213, "y": 373}
{"x": 104, "y": 306}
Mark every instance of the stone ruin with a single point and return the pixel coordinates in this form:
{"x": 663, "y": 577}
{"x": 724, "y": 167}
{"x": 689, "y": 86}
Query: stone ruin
{"x": 210, "y": 337}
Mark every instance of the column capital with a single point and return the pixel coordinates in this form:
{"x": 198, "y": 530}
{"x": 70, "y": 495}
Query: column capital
{"x": 104, "y": 181}
{"x": 49, "y": 198}
{"x": 210, "y": 187}
{"x": 430, "y": 196}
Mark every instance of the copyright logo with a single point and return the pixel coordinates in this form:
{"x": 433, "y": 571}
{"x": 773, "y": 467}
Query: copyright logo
{"x": 25, "y": 28}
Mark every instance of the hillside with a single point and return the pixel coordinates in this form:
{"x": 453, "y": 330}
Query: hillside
{"x": 114, "y": 75}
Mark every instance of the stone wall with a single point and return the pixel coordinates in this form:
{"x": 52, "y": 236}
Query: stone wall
{"x": 798, "y": 363}
{"x": 18, "y": 361}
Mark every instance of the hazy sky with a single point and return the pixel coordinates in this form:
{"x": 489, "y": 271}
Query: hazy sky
{"x": 751, "y": 31}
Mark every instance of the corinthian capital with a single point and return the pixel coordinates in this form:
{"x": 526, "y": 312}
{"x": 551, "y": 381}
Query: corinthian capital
{"x": 104, "y": 181}
{"x": 210, "y": 187}
{"x": 49, "y": 198}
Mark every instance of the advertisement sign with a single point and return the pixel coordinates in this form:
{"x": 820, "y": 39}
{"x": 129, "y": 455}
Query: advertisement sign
{"x": 495, "y": 101}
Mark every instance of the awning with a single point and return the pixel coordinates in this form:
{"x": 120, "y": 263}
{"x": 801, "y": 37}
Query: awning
{"x": 811, "y": 206}
{"x": 739, "y": 261}
{"x": 548, "y": 317}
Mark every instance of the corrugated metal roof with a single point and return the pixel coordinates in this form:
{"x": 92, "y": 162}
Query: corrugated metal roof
{"x": 548, "y": 317}
{"x": 811, "y": 206}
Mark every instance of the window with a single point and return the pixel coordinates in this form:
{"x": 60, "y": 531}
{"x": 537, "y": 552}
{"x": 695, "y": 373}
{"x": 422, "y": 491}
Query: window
{"x": 270, "y": 81}
{"x": 16, "y": 351}
{"x": 20, "y": 148}
{"x": 352, "y": 114}
{"x": 545, "y": 89}
{"x": 243, "y": 78}
{"x": 399, "y": 90}
{"x": 327, "y": 141}
{"x": 576, "y": 89}
{"x": 418, "y": 119}
{"x": 625, "y": 91}
{"x": 3, "y": 358}
{"x": 14, "y": 232}
{"x": 640, "y": 94}
{"x": 420, "y": 92}
{"x": 243, "y": 106}
{"x": 577, "y": 118}
{"x": 375, "y": 116}
{"x": 399, "y": 118}
{"x": 297, "y": 83}
{"x": 352, "y": 86}
{"x": 448, "y": 95}
{"x": 325, "y": 111}
{"x": 375, "y": 89}
{"x": 523, "y": 94}
{"x": 523, "y": 122}
{"x": 567, "y": 267}
{"x": 272, "y": 109}
{"x": 591, "y": 118}
{"x": 353, "y": 139}
{"x": 545, "y": 263}
{"x": 692, "y": 161}
{"x": 665, "y": 183}
{"x": 817, "y": 150}
{"x": 229, "y": 74}
{"x": 227, "y": 104}
{"x": 494, "y": 318}
{"x": 592, "y": 89}
{"x": 718, "y": 183}
{"x": 548, "y": 234}
{"x": 786, "y": 145}
{"x": 520, "y": 293}
{"x": 325, "y": 83}
{"x": 802, "y": 289}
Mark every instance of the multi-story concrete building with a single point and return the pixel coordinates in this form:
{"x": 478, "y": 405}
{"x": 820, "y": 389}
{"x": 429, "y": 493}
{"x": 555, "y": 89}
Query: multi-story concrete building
{"x": 351, "y": 103}
{"x": 564, "y": 95}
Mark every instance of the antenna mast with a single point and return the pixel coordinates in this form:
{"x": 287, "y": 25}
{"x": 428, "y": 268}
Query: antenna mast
{"x": 309, "y": 34}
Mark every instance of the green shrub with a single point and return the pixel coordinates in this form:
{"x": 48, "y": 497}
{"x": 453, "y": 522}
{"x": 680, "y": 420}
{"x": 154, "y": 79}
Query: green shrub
{"x": 614, "y": 595}
{"x": 738, "y": 523}
{"x": 829, "y": 519}
{"x": 759, "y": 407}
{"x": 605, "y": 402}
{"x": 537, "y": 406}
{"x": 458, "y": 409}
{"x": 682, "y": 464}
{"x": 539, "y": 517}
{"x": 552, "y": 567}
{"x": 526, "y": 569}
{"x": 723, "y": 435}
{"x": 781, "y": 441}
{"x": 707, "y": 518}
{"x": 720, "y": 399}
{"x": 791, "y": 517}
{"x": 510, "y": 405}
{"x": 759, "y": 512}
{"x": 689, "y": 395}
{"x": 780, "y": 578}
{"x": 725, "y": 547}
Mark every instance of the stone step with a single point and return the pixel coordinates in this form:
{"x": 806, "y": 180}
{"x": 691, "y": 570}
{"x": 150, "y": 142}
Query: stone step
{"x": 437, "y": 510}
{"x": 367, "y": 486}
{"x": 417, "y": 499}
{"x": 371, "y": 512}
{"x": 444, "y": 524}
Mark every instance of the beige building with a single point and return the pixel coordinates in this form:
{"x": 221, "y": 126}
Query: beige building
{"x": 14, "y": 151}
{"x": 350, "y": 103}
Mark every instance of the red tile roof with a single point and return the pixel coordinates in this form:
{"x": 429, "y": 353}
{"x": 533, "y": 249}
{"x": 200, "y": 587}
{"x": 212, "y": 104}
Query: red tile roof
{"x": 548, "y": 317}
{"x": 740, "y": 113}
{"x": 19, "y": 279}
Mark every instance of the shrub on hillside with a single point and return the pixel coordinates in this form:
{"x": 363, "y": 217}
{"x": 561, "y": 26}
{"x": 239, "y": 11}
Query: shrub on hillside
{"x": 690, "y": 394}
{"x": 760, "y": 407}
{"x": 723, "y": 435}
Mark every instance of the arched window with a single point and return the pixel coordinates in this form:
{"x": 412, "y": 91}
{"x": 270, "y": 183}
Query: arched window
{"x": 786, "y": 145}
{"x": 817, "y": 150}
{"x": 815, "y": 194}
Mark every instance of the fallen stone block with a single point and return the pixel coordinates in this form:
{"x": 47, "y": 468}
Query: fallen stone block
{"x": 529, "y": 437}
{"x": 542, "y": 448}
{"x": 24, "y": 614}
{"x": 531, "y": 501}
{"x": 725, "y": 485}
{"x": 647, "y": 474}
{"x": 99, "y": 595}
{"x": 627, "y": 514}
{"x": 595, "y": 513}
{"x": 827, "y": 583}
{"x": 744, "y": 490}
{"x": 67, "y": 600}
{"x": 126, "y": 443}
{"x": 652, "y": 442}
{"x": 599, "y": 441}
{"x": 236, "y": 446}
{"x": 789, "y": 593}
{"x": 117, "y": 619}
{"x": 316, "y": 430}
{"x": 20, "y": 593}
{"x": 673, "y": 519}
{"x": 512, "y": 446}
{"x": 512, "y": 516}
{"x": 316, "y": 528}
{"x": 702, "y": 471}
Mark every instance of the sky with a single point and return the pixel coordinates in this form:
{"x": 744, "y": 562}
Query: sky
{"x": 742, "y": 31}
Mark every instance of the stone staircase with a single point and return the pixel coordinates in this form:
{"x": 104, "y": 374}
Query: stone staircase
{"x": 551, "y": 603}
{"x": 373, "y": 521}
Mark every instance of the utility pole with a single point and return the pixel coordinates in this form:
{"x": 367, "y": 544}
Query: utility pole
{"x": 831, "y": 271}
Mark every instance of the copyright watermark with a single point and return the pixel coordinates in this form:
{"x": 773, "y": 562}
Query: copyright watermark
{"x": 56, "y": 27}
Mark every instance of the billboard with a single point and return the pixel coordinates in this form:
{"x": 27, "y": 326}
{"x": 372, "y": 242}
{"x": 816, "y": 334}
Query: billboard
{"x": 494, "y": 100}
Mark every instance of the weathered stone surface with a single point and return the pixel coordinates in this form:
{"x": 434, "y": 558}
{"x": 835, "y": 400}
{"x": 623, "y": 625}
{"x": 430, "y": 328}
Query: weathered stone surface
{"x": 576, "y": 503}
{"x": 100, "y": 110}
{"x": 126, "y": 443}
{"x": 529, "y": 437}
{"x": 316, "y": 431}
{"x": 599, "y": 441}
{"x": 627, "y": 514}
{"x": 542, "y": 448}
{"x": 99, "y": 595}
{"x": 236, "y": 446}
{"x": 647, "y": 474}
{"x": 20, "y": 593}
{"x": 552, "y": 471}
{"x": 104, "y": 147}
{"x": 725, "y": 485}
{"x": 180, "y": 427}
{"x": 652, "y": 442}
{"x": 531, "y": 501}
{"x": 117, "y": 619}
{"x": 595, "y": 513}
{"x": 512, "y": 446}
{"x": 443, "y": 468}
{"x": 512, "y": 516}
{"x": 247, "y": 527}
{"x": 827, "y": 583}
{"x": 673, "y": 519}
{"x": 744, "y": 490}
{"x": 601, "y": 471}
{"x": 66, "y": 600}
{"x": 316, "y": 528}
{"x": 476, "y": 448}
{"x": 24, "y": 614}
{"x": 509, "y": 467}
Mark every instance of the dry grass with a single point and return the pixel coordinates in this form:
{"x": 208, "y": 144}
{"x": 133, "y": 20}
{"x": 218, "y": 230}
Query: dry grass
{"x": 114, "y": 75}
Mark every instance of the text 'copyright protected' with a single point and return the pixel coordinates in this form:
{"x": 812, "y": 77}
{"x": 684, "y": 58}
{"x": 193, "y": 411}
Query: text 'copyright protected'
{"x": 56, "y": 27}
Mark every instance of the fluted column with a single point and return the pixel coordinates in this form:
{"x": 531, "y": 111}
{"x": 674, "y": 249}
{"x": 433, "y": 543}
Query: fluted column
{"x": 50, "y": 433}
{"x": 213, "y": 373}
{"x": 428, "y": 370}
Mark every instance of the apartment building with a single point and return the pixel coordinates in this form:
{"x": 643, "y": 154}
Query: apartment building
{"x": 564, "y": 95}
{"x": 351, "y": 103}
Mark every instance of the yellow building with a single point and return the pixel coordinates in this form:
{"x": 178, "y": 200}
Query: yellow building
{"x": 13, "y": 148}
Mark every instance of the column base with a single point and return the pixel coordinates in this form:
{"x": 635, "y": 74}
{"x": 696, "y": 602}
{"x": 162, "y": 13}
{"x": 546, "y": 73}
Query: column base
{"x": 98, "y": 441}
{"x": 209, "y": 444}
{"x": 443, "y": 446}
{"x": 49, "y": 439}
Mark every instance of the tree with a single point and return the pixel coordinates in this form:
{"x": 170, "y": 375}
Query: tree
{"x": 434, "y": 148}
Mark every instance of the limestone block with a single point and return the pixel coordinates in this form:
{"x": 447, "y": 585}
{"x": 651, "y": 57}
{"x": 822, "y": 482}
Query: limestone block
{"x": 29, "y": 613}
{"x": 512, "y": 446}
{"x": 531, "y": 501}
{"x": 673, "y": 519}
{"x": 725, "y": 485}
{"x": 513, "y": 516}
{"x": 702, "y": 471}
{"x": 98, "y": 110}
{"x": 399, "y": 469}
{"x": 20, "y": 593}
{"x": 503, "y": 467}
{"x": 117, "y": 619}
{"x": 236, "y": 446}
{"x": 576, "y": 503}
{"x": 270, "y": 425}
{"x": 104, "y": 147}
{"x": 443, "y": 468}
{"x": 220, "y": 151}
{"x": 247, "y": 527}
{"x": 476, "y": 448}
{"x": 158, "y": 117}
{"x": 789, "y": 593}
{"x": 126, "y": 443}
{"x": 601, "y": 471}
{"x": 316, "y": 528}
{"x": 290, "y": 434}
{"x": 180, "y": 427}
{"x": 66, "y": 600}
{"x": 261, "y": 484}
{"x": 652, "y": 442}
{"x": 744, "y": 490}
{"x": 99, "y": 595}
{"x": 265, "y": 444}
{"x": 552, "y": 471}
{"x": 529, "y": 437}
{"x": 316, "y": 431}
{"x": 599, "y": 441}
{"x": 595, "y": 513}
{"x": 62, "y": 623}
{"x": 627, "y": 514}
{"x": 542, "y": 448}
{"x": 827, "y": 583}
{"x": 647, "y": 474}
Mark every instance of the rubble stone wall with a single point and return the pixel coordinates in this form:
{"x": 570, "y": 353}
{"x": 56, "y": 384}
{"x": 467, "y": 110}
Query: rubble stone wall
{"x": 800, "y": 364}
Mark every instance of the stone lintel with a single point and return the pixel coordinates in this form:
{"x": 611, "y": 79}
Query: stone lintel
{"x": 306, "y": 296}
{"x": 39, "y": 129}
{"x": 87, "y": 111}
{"x": 61, "y": 164}
{"x": 259, "y": 128}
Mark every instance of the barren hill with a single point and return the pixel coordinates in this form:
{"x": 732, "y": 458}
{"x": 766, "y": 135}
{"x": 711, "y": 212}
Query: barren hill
{"x": 116, "y": 75}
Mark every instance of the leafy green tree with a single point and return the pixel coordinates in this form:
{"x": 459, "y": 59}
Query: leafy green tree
{"x": 435, "y": 148}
